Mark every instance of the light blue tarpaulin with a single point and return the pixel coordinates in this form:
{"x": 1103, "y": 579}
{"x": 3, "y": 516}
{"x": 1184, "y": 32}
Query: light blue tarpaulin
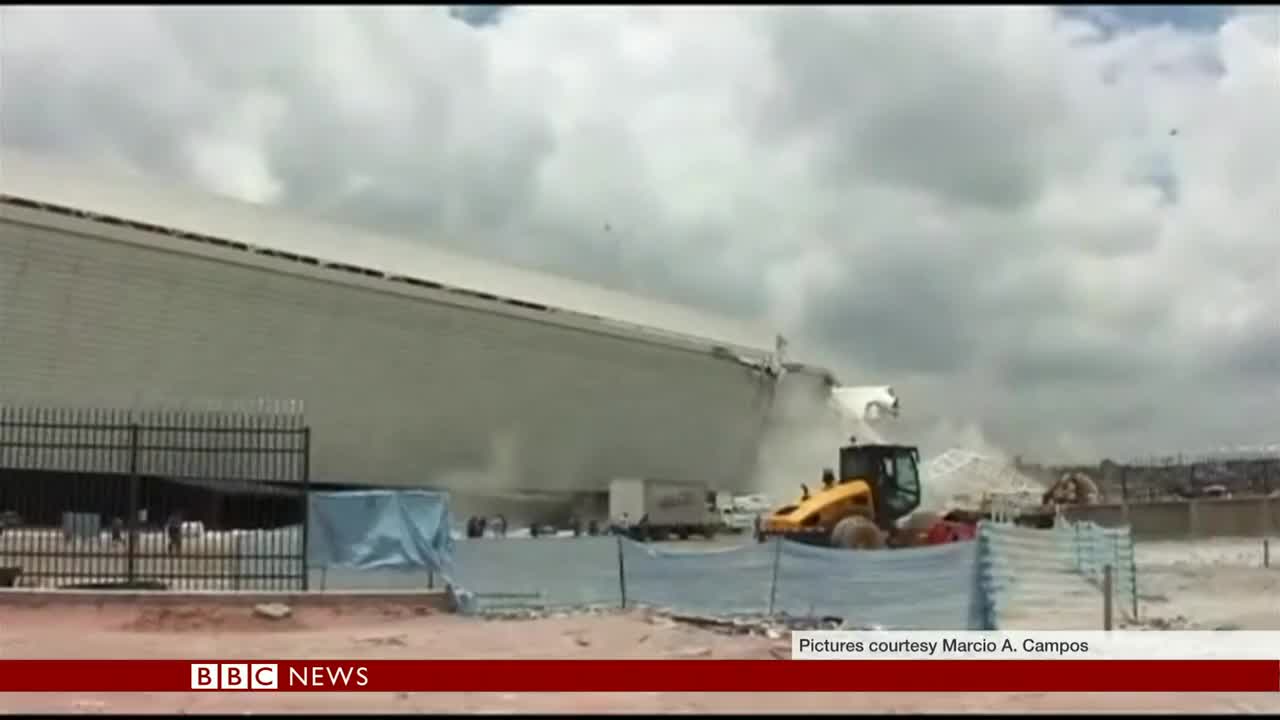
{"x": 542, "y": 572}
{"x": 724, "y": 581}
{"x": 934, "y": 588}
{"x": 1025, "y": 571}
{"x": 925, "y": 588}
{"x": 381, "y": 530}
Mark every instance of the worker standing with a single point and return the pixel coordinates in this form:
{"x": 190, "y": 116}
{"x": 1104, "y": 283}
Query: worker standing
{"x": 174, "y": 528}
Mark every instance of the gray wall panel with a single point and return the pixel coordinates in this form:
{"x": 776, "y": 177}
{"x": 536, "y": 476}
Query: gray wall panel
{"x": 399, "y": 390}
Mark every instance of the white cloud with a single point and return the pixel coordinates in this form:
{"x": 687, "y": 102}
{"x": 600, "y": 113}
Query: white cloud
{"x": 1060, "y": 240}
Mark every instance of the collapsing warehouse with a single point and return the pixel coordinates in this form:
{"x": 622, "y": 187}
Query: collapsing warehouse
{"x": 412, "y": 372}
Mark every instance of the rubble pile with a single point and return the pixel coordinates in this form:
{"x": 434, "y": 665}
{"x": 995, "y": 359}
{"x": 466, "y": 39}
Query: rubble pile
{"x": 539, "y": 613}
{"x": 961, "y": 478}
{"x": 1176, "y": 622}
{"x": 1073, "y": 489}
{"x": 773, "y": 627}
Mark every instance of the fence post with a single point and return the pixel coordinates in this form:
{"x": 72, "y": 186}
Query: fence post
{"x": 1106, "y": 597}
{"x": 1115, "y": 555}
{"x": 1133, "y": 574}
{"x": 622, "y": 573}
{"x": 306, "y": 505}
{"x": 985, "y": 571}
{"x": 131, "y": 571}
{"x": 773, "y": 583}
{"x": 1075, "y": 545}
{"x": 1115, "y": 549}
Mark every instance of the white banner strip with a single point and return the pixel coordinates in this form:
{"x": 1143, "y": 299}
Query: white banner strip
{"x": 1046, "y": 645}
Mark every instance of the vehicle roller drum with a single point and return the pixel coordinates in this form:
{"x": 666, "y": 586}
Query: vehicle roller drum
{"x": 857, "y": 533}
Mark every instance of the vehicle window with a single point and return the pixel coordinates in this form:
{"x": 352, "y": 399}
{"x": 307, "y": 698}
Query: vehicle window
{"x": 908, "y": 483}
{"x": 856, "y": 466}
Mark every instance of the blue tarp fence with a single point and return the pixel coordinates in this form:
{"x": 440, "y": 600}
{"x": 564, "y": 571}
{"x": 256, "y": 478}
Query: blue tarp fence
{"x": 924, "y": 588}
{"x": 385, "y": 532}
{"x": 1053, "y": 579}
{"x": 1010, "y": 577}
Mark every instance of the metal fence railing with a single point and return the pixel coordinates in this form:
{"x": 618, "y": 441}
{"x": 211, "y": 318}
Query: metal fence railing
{"x": 102, "y": 498}
{"x": 1055, "y": 579}
{"x": 917, "y": 589}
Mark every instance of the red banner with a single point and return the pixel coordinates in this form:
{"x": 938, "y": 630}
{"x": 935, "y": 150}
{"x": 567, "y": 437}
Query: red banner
{"x": 640, "y": 676}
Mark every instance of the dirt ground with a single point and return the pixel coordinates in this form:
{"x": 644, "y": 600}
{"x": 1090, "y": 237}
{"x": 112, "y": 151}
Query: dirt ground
{"x": 396, "y": 631}
{"x": 1217, "y": 584}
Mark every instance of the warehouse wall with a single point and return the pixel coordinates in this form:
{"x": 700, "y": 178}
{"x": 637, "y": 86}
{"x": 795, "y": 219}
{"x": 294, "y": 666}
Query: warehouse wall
{"x": 1186, "y": 520}
{"x": 399, "y": 391}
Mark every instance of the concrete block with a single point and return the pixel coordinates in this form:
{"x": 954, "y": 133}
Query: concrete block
{"x": 1231, "y": 517}
{"x": 1161, "y": 520}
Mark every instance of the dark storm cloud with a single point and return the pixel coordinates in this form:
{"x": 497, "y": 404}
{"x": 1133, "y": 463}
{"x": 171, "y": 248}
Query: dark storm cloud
{"x": 956, "y": 202}
{"x": 929, "y": 114}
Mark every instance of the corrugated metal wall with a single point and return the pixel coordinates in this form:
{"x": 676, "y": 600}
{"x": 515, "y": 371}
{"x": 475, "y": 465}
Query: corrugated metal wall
{"x": 399, "y": 391}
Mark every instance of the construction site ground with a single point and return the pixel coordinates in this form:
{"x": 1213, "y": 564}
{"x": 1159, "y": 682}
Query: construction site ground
{"x": 395, "y": 631}
{"x": 1216, "y": 584}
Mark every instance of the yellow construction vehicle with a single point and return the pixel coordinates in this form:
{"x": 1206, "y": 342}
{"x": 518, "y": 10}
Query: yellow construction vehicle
{"x": 864, "y": 505}
{"x": 860, "y": 506}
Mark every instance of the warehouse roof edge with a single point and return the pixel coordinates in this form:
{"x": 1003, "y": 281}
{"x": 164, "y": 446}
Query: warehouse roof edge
{"x": 269, "y": 236}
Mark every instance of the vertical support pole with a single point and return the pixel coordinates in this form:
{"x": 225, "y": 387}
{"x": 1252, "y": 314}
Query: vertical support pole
{"x": 1075, "y": 544}
{"x": 984, "y": 571}
{"x": 238, "y": 571}
{"x": 1133, "y": 574}
{"x": 622, "y": 573}
{"x": 773, "y": 584}
{"x": 306, "y": 507}
{"x": 1266, "y": 552}
{"x": 1106, "y": 597}
{"x": 131, "y": 571}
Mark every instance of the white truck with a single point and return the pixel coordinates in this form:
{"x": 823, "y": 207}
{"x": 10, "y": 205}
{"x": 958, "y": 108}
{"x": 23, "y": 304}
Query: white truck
{"x": 646, "y": 509}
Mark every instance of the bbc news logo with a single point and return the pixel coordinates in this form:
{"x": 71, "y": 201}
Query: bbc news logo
{"x": 267, "y": 676}
{"x": 234, "y": 676}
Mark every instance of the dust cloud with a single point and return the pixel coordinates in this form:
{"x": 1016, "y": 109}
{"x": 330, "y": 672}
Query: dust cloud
{"x": 806, "y": 431}
{"x": 803, "y": 437}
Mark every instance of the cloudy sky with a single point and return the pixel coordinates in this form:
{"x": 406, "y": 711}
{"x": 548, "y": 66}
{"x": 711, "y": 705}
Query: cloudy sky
{"x": 1055, "y": 232}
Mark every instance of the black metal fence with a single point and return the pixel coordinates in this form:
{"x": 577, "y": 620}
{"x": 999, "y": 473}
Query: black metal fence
{"x": 94, "y": 498}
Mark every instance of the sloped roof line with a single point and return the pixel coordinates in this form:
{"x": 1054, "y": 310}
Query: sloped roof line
{"x": 278, "y": 233}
